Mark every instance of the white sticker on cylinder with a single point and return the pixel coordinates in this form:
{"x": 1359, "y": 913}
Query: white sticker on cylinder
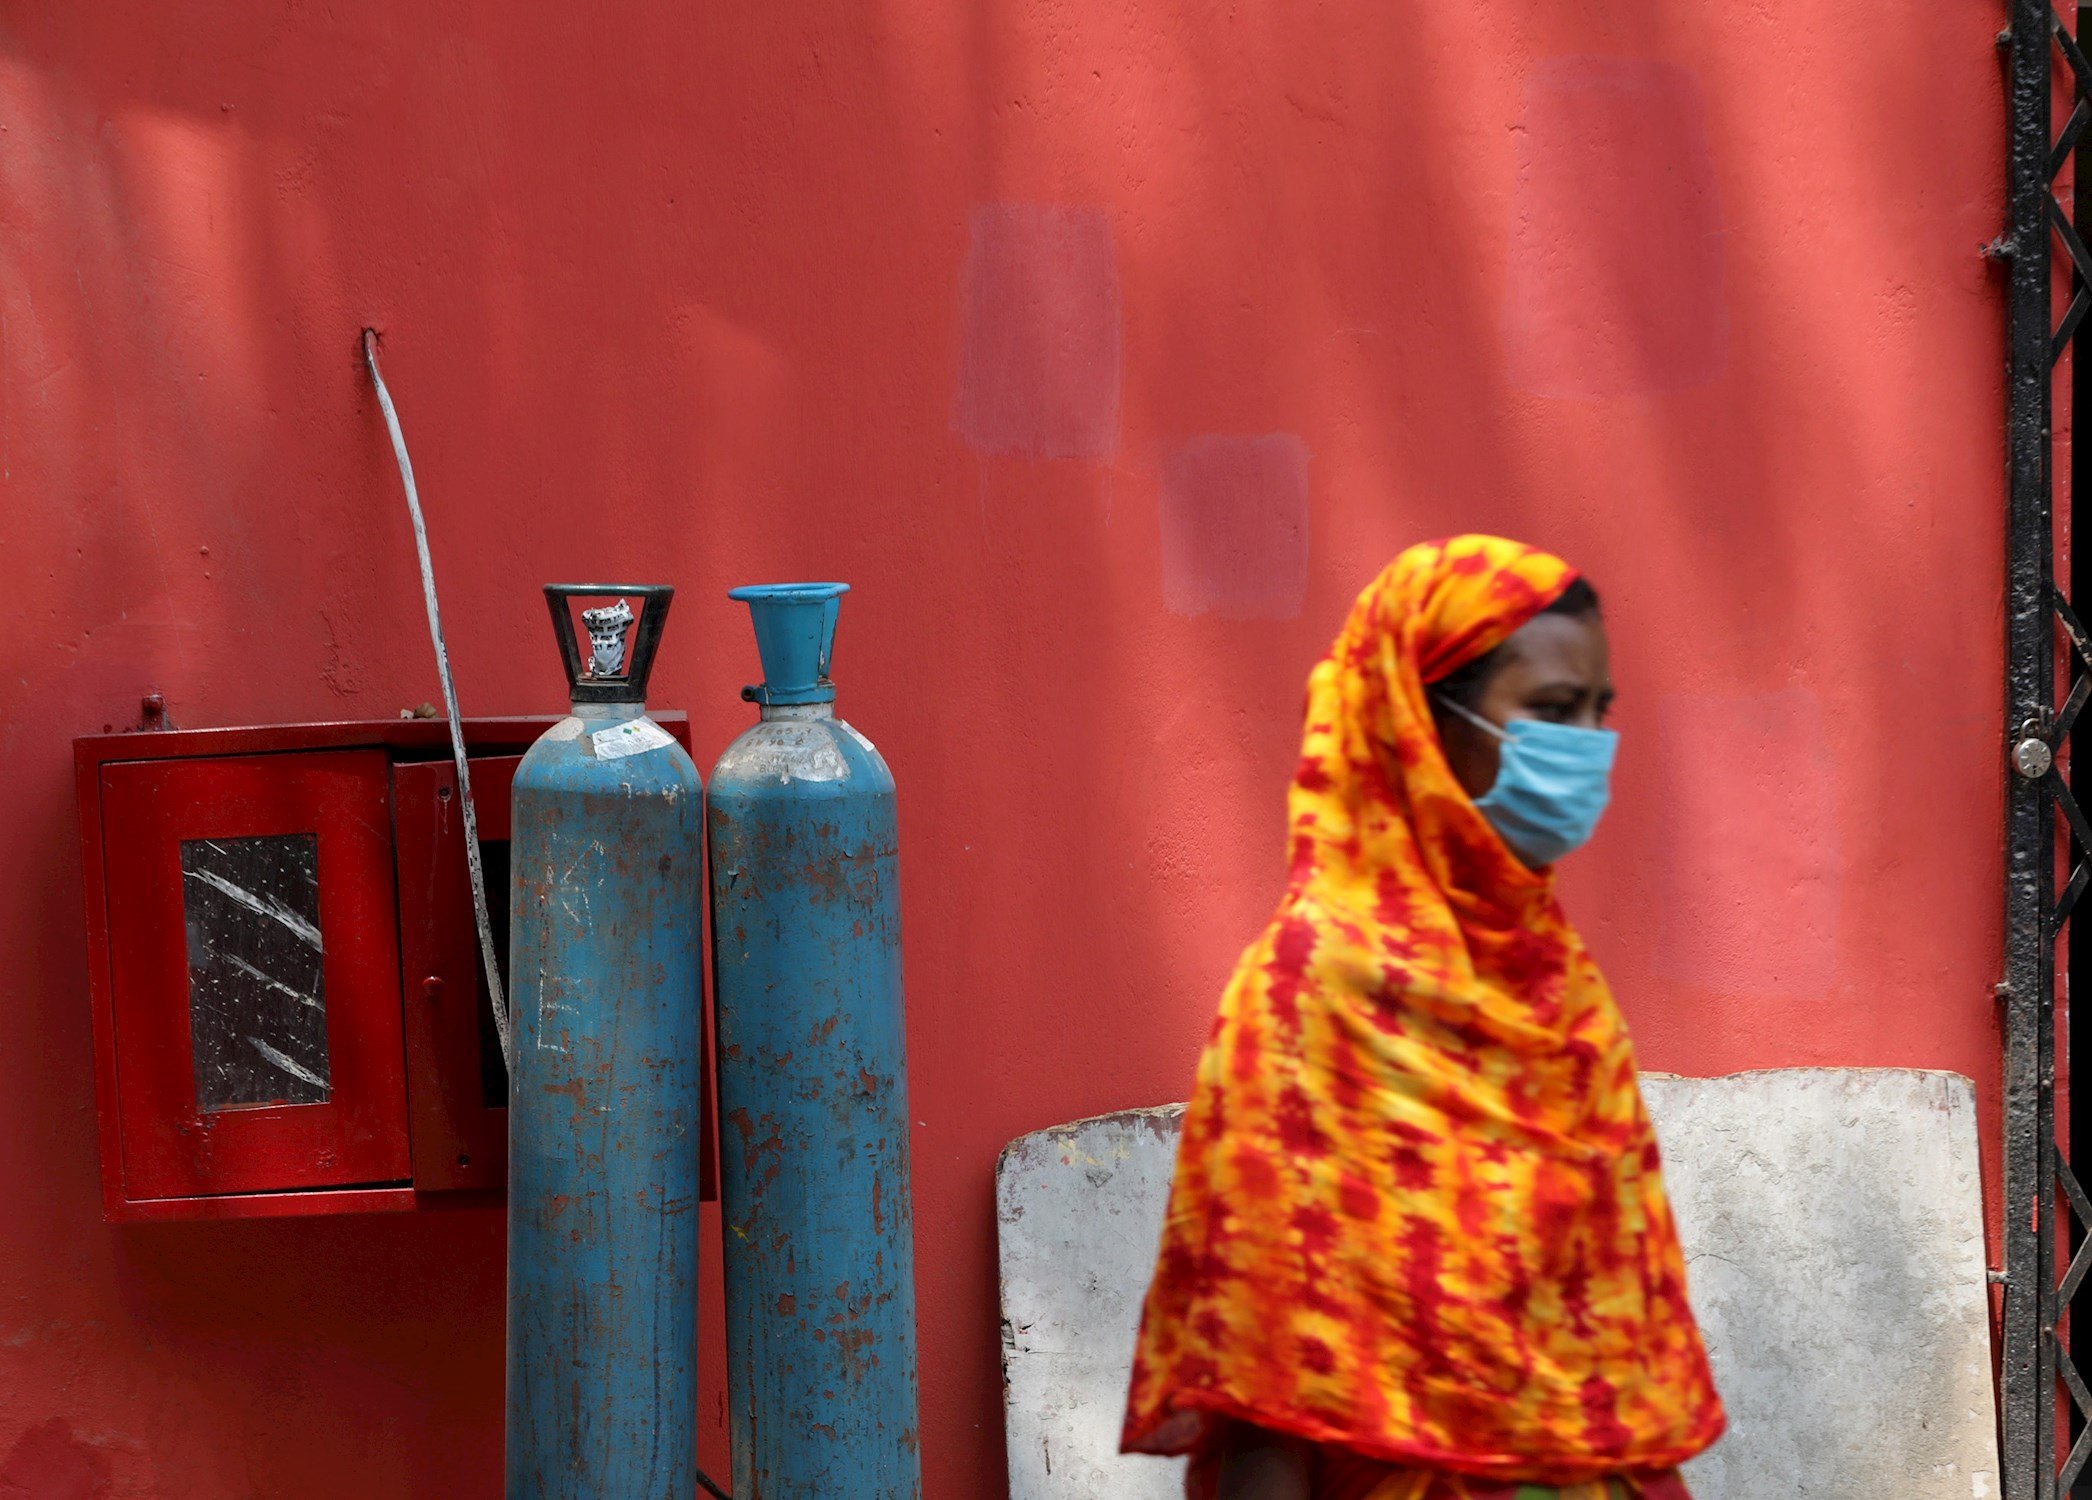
{"x": 633, "y": 737}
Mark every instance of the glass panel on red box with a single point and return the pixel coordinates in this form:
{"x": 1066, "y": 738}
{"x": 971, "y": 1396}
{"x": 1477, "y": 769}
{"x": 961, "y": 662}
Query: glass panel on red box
{"x": 257, "y": 1003}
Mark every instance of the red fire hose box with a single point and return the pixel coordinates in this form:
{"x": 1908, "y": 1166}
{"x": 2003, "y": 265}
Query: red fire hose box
{"x": 290, "y": 1014}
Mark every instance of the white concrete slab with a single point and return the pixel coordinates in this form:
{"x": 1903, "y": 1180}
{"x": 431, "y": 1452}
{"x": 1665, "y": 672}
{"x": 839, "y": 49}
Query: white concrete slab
{"x": 1832, "y": 1218}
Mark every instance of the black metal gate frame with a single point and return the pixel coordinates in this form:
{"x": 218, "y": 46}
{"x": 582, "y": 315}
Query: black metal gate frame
{"x": 2045, "y": 1209}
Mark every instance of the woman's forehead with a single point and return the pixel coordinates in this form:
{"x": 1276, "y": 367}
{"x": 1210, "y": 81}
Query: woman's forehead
{"x": 1556, "y": 645}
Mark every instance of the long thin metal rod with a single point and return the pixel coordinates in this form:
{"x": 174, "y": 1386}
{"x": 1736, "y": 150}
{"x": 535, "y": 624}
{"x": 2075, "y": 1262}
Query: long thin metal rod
{"x": 2028, "y": 1377}
{"x": 450, "y": 700}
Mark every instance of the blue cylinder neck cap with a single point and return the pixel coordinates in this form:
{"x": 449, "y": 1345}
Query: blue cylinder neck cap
{"x": 795, "y": 636}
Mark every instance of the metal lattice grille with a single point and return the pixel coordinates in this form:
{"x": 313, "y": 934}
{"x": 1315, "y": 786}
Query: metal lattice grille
{"x": 2046, "y": 1210}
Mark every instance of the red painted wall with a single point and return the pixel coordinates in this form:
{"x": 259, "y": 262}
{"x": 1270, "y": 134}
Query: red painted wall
{"x": 1107, "y": 350}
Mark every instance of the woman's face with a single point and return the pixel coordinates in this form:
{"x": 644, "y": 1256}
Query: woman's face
{"x": 1554, "y": 667}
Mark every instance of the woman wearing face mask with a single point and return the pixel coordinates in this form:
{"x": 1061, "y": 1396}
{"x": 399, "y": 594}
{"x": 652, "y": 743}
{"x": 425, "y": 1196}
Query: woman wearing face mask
{"x": 1418, "y": 1246}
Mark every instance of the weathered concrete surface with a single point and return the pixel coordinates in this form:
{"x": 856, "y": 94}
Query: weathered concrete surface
{"x": 1833, "y": 1225}
{"x": 1079, "y": 1210}
{"x": 1832, "y": 1218}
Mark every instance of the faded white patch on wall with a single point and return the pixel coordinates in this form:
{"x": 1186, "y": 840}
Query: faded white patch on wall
{"x": 1235, "y": 526}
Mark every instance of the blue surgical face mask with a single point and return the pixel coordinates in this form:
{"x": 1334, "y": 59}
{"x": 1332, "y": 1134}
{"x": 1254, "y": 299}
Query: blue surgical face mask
{"x": 1552, "y": 783}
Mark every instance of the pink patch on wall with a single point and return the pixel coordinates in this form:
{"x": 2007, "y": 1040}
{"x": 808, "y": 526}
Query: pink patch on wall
{"x": 1749, "y": 876}
{"x": 49, "y": 1463}
{"x": 1039, "y": 370}
{"x": 1615, "y": 282}
{"x": 1235, "y": 527}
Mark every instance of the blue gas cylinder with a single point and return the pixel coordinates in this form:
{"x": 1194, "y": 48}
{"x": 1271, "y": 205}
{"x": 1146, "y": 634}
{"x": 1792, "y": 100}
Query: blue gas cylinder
{"x": 606, "y": 888}
{"x": 813, "y": 1094}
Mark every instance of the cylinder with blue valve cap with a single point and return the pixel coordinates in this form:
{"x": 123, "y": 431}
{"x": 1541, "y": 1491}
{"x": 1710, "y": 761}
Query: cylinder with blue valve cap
{"x": 606, "y": 894}
{"x": 814, "y": 1179}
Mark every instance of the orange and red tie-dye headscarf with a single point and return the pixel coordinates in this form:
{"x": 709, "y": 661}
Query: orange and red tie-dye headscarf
{"x": 1418, "y": 1212}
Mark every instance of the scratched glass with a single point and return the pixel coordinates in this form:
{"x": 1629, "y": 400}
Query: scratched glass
{"x": 257, "y": 991}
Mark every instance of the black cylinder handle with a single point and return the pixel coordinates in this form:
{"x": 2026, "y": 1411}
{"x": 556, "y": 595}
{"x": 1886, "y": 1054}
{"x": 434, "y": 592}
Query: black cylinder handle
{"x": 619, "y": 658}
